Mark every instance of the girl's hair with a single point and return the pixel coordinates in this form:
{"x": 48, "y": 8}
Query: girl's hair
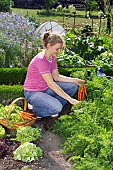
{"x": 52, "y": 38}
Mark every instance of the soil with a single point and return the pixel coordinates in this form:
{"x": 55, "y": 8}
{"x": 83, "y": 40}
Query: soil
{"x": 51, "y": 144}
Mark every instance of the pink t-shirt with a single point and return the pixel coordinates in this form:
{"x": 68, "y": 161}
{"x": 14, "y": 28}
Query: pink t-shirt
{"x": 39, "y": 65}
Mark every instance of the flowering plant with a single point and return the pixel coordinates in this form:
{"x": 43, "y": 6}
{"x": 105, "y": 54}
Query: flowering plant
{"x": 15, "y": 29}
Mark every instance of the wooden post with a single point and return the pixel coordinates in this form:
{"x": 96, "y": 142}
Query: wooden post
{"x": 100, "y": 25}
{"x": 27, "y": 14}
{"x": 92, "y": 24}
{"x": 9, "y": 6}
{"x": 26, "y": 52}
{"x": 74, "y": 18}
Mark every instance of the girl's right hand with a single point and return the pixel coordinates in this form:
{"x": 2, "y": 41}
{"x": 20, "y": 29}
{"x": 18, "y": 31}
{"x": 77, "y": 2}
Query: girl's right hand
{"x": 74, "y": 101}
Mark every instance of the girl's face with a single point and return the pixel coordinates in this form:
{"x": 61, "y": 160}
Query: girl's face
{"x": 54, "y": 49}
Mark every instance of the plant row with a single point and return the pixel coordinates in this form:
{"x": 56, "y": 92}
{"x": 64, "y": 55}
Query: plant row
{"x": 87, "y": 130}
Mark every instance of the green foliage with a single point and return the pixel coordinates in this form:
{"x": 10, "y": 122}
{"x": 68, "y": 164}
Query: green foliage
{"x": 65, "y": 10}
{"x": 11, "y": 80}
{"x": 12, "y": 75}
{"x": 27, "y": 134}
{"x": 9, "y": 93}
{"x": 87, "y": 47}
{"x": 87, "y": 131}
{"x": 107, "y": 70}
{"x": 69, "y": 60}
{"x": 87, "y": 29}
{"x": 80, "y": 74}
{"x": 82, "y": 48}
{"x": 2, "y": 132}
{"x": 3, "y": 5}
{"x": 71, "y": 8}
{"x": 108, "y": 43}
{"x": 73, "y": 71}
{"x": 26, "y": 168}
{"x": 59, "y": 8}
{"x": 16, "y": 37}
{"x": 91, "y": 5}
{"x": 14, "y": 116}
{"x": 33, "y": 20}
{"x": 27, "y": 152}
{"x": 49, "y": 3}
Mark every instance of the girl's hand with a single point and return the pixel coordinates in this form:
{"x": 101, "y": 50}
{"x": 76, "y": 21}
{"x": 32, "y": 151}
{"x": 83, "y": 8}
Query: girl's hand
{"x": 74, "y": 101}
{"x": 79, "y": 81}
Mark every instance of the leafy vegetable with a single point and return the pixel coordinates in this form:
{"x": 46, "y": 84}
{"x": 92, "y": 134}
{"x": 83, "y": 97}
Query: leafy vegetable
{"x": 26, "y": 168}
{"x": 27, "y": 152}
{"x": 14, "y": 116}
{"x": 27, "y": 134}
{"x": 88, "y": 130}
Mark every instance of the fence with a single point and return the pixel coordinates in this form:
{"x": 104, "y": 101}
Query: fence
{"x": 98, "y": 24}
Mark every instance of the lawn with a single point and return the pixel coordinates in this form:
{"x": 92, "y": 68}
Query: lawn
{"x": 66, "y": 21}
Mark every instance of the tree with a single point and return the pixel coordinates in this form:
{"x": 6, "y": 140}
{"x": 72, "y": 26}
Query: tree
{"x": 49, "y": 3}
{"x": 91, "y": 5}
{"x": 105, "y": 7}
{"x": 3, "y": 5}
{"x": 101, "y": 5}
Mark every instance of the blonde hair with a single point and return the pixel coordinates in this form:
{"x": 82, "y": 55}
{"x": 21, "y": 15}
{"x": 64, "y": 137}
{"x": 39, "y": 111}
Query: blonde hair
{"x": 51, "y": 38}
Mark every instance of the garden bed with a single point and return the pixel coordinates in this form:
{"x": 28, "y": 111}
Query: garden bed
{"x": 51, "y": 145}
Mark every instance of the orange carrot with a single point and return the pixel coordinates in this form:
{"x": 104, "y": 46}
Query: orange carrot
{"x": 26, "y": 113}
{"x": 78, "y": 94}
{"x": 20, "y": 115}
{"x": 85, "y": 90}
{"x": 26, "y": 117}
{"x": 82, "y": 92}
{"x": 83, "y": 95}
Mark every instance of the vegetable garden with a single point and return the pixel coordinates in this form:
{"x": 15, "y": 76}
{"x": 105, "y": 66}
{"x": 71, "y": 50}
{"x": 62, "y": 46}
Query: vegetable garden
{"x": 87, "y": 132}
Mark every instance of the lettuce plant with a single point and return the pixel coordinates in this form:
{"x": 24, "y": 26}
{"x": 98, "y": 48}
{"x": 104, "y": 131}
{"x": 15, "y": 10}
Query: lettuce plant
{"x": 27, "y": 152}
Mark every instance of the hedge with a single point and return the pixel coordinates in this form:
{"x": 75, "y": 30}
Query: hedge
{"x": 12, "y": 79}
{"x": 11, "y": 76}
{"x": 8, "y": 93}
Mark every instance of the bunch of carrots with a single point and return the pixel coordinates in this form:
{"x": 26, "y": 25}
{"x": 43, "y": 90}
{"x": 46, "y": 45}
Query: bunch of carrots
{"x": 26, "y": 116}
{"x": 82, "y": 92}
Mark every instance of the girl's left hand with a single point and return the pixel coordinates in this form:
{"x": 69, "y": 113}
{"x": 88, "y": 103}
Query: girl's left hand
{"x": 79, "y": 81}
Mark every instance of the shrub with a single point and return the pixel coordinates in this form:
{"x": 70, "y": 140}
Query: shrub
{"x": 11, "y": 76}
{"x": 9, "y": 93}
{"x": 3, "y": 5}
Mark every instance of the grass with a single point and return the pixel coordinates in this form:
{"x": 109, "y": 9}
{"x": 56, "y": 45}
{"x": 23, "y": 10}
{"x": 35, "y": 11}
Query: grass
{"x": 65, "y": 21}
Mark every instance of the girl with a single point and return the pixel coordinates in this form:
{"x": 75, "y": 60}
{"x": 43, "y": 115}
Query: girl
{"x": 44, "y": 88}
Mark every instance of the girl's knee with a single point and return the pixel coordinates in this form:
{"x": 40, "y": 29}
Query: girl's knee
{"x": 58, "y": 108}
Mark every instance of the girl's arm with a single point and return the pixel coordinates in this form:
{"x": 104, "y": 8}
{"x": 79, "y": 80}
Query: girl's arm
{"x": 58, "y": 77}
{"x": 52, "y": 85}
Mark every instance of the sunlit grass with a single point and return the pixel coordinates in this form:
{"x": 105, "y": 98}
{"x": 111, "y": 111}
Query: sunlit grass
{"x": 65, "y": 21}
